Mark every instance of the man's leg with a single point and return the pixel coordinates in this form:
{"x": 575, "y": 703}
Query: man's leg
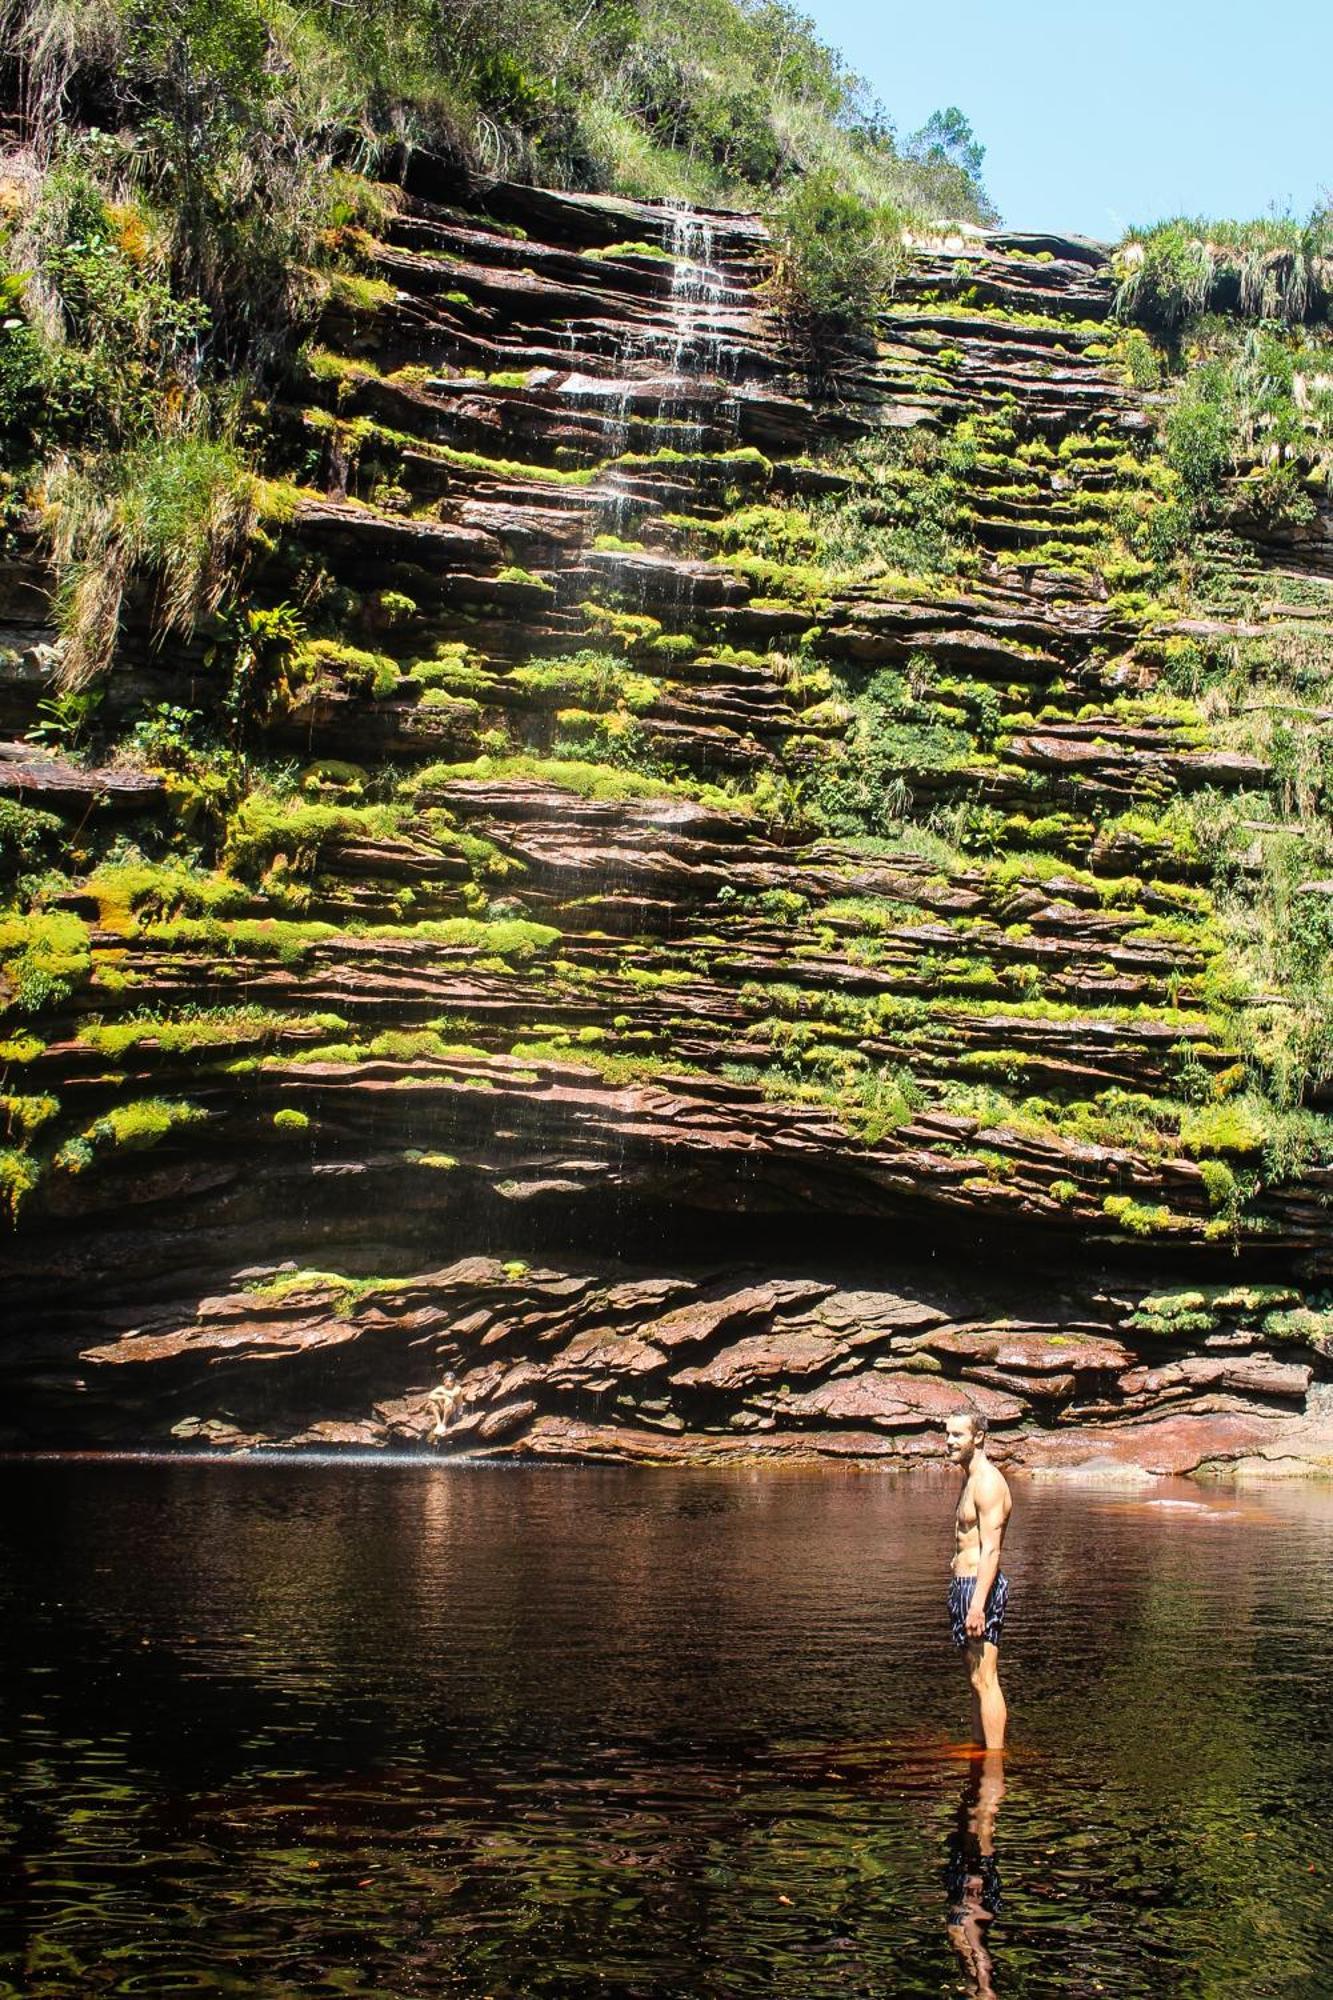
{"x": 967, "y": 1934}
{"x": 978, "y": 1732}
{"x": 989, "y": 1714}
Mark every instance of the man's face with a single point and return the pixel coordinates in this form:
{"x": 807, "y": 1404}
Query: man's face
{"x": 959, "y": 1439}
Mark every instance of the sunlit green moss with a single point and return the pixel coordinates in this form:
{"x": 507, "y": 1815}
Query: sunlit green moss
{"x": 45, "y": 956}
{"x": 213, "y": 1028}
{"x": 265, "y": 826}
{"x": 128, "y": 1128}
{"x": 19, "y": 1175}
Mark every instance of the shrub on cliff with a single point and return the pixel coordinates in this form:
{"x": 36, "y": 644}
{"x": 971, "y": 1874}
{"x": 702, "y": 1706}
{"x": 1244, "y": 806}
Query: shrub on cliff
{"x": 1259, "y": 403}
{"x": 837, "y": 257}
{"x": 95, "y": 345}
{"x": 27, "y": 835}
{"x": 1201, "y": 432}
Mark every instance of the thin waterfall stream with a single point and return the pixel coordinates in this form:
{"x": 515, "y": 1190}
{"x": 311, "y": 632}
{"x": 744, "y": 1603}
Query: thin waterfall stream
{"x": 658, "y": 371}
{"x": 698, "y": 292}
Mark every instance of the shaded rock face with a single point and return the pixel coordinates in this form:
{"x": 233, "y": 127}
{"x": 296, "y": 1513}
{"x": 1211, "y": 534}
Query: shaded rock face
{"x": 425, "y": 1071}
{"x": 596, "y": 1360}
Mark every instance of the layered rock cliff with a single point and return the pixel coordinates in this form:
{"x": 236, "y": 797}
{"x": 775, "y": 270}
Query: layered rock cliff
{"x": 712, "y": 947}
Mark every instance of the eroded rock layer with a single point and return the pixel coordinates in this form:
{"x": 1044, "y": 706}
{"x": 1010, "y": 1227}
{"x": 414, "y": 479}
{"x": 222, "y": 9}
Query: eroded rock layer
{"x": 354, "y": 1086}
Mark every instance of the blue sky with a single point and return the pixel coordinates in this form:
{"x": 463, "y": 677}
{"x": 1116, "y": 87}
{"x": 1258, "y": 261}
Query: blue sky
{"x": 1096, "y": 117}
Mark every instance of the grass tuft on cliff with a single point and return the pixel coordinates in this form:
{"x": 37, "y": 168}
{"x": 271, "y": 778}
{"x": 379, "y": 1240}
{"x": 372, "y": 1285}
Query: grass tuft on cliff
{"x": 181, "y": 510}
{"x": 1274, "y": 269}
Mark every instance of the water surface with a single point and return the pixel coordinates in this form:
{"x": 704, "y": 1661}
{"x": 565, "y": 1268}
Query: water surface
{"x": 365, "y": 1730}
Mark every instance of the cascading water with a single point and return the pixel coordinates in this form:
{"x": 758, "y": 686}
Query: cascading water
{"x": 687, "y": 350}
{"x": 614, "y": 501}
{"x": 698, "y": 291}
{"x": 657, "y": 374}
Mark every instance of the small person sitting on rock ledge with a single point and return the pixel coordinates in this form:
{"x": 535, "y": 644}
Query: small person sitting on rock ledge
{"x": 442, "y": 1401}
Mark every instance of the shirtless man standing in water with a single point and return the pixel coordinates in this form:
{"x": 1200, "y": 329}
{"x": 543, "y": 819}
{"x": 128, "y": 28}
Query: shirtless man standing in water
{"x": 979, "y": 1592}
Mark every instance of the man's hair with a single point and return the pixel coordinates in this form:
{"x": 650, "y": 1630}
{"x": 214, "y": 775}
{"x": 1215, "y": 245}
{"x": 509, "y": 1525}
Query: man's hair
{"x": 973, "y": 1417}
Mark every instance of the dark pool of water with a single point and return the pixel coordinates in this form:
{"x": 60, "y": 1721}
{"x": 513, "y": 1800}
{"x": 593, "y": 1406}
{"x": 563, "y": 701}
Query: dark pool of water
{"x": 372, "y": 1730}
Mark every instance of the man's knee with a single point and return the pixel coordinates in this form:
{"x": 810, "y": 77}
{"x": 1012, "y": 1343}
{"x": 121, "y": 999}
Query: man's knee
{"x": 983, "y": 1666}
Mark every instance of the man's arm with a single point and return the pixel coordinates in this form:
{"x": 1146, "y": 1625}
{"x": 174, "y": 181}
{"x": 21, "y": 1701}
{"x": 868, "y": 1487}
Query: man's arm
{"x": 990, "y": 1534}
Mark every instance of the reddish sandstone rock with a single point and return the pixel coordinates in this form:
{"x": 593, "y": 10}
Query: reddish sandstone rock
{"x": 898, "y": 1402}
{"x": 505, "y": 1420}
{"x": 601, "y": 1358}
{"x": 255, "y": 1338}
{"x": 567, "y": 1438}
{"x": 764, "y": 1357}
{"x": 29, "y": 773}
{"x": 860, "y": 1318}
{"x": 1171, "y": 1445}
{"x": 1030, "y": 1352}
{"x": 1248, "y": 1374}
{"x": 406, "y": 1417}
{"x": 693, "y": 1324}
{"x": 1035, "y": 1388}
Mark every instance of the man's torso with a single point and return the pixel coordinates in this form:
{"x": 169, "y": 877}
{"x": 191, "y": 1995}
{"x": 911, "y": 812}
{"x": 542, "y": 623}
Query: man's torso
{"x": 980, "y": 1485}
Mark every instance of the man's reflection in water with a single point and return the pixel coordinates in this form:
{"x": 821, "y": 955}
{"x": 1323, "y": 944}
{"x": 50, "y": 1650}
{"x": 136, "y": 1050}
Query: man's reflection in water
{"x": 971, "y": 1873}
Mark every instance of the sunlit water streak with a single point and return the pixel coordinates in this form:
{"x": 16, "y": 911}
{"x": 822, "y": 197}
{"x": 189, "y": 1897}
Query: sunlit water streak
{"x": 676, "y": 356}
{"x": 698, "y": 292}
{"x": 352, "y": 1730}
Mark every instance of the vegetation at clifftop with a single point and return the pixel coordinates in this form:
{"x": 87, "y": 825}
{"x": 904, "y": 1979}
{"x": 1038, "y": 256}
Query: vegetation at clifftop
{"x": 1242, "y": 314}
